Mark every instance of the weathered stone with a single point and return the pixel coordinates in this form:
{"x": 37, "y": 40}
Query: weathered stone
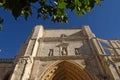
{"x": 64, "y": 54}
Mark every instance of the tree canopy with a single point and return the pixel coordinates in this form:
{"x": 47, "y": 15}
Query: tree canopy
{"x": 56, "y": 10}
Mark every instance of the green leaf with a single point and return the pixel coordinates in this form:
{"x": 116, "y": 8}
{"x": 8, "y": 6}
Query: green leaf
{"x": 62, "y": 4}
{"x": 60, "y": 12}
{"x": 77, "y": 11}
{"x": 86, "y": 2}
{"x": 98, "y": 1}
{"x": 1, "y": 4}
{"x": 52, "y": 8}
{"x": 26, "y": 11}
{"x": 88, "y": 9}
{"x": 77, "y": 3}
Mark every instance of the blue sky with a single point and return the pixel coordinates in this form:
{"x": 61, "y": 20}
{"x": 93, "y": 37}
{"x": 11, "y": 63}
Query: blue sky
{"x": 103, "y": 20}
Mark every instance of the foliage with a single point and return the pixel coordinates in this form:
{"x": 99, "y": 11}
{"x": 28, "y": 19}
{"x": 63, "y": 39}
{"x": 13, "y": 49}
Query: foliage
{"x": 56, "y": 10}
{"x": 1, "y": 21}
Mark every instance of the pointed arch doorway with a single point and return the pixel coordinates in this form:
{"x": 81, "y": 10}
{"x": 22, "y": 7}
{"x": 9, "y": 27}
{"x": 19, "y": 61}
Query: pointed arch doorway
{"x": 65, "y": 70}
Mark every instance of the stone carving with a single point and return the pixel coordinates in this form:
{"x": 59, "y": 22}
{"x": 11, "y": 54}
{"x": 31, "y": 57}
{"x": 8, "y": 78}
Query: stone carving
{"x": 50, "y": 52}
{"x": 63, "y": 48}
{"x": 63, "y": 35}
{"x": 24, "y": 60}
{"x": 77, "y": 52}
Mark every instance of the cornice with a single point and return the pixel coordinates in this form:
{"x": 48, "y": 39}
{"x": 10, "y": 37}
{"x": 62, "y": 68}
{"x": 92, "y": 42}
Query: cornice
{"x": 51, "y": 39}
{"x": 74, "y": 57}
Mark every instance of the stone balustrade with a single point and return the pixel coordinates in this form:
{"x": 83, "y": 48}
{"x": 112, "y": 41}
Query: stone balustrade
{"x": 6, "y": 60}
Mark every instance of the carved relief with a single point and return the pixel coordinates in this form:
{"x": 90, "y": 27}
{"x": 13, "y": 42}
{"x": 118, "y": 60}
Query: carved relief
{"x": 24, "y": 60}
{"x": 63, "y": 48}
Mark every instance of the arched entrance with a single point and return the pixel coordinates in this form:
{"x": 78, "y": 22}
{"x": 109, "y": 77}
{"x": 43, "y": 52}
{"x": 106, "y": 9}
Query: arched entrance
{"x": 65, "y": 70}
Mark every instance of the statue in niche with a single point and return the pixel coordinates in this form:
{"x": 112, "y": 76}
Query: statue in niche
{"x": 50, "y": 52}
{"x": 77, "y": 52}
{"x": 63, "y": 48}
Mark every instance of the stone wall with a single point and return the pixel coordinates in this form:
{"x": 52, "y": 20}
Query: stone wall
{"x": 75, "y": 51}
{"x": 6, "y": 66}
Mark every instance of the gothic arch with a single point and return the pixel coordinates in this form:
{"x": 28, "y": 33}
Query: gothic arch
{"x": 65, "y": 70}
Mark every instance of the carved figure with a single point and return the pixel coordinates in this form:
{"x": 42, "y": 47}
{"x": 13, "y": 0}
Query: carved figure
{"x": 77, "y": 52}
{"x": 63, "y": 51}
{"x": 63, "y": 48}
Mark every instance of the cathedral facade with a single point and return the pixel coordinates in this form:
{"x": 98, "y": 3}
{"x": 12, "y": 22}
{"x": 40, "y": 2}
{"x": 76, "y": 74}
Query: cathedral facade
{"x": 63, "y": 54}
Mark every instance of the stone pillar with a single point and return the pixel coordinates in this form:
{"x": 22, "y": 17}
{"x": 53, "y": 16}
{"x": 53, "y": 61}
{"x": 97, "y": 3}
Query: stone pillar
{"x": 87, "y": 32}
{"x": 34, "y": 41}
{"x": 27, "y": 68}
{"x": 24, "y": 63}
{"x": 22, "y": 69}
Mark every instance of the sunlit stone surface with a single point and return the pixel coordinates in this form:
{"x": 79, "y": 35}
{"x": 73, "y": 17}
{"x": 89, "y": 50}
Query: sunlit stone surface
{"x": 63, "y": 54}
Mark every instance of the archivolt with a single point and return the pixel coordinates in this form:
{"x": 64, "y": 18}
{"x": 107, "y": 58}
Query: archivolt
{"x": 65, "y": 70}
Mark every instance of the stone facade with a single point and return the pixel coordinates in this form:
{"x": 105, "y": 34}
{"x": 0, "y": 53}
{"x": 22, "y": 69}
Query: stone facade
{"x": 64, "y": 54}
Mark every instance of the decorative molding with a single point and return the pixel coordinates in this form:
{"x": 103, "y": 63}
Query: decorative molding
{"x": 65, "y": 57}
{"x": 50, "y": 39}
